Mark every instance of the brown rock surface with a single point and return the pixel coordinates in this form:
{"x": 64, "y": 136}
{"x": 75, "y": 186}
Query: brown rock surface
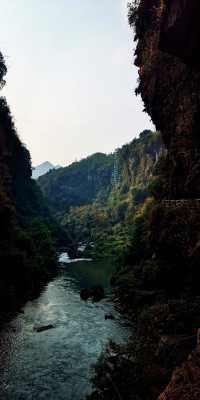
{"x": 185, "y": 381}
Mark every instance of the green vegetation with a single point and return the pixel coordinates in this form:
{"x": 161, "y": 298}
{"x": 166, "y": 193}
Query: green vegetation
{"x": 78, "y": 184}
{"x": 158, "y": 282}
{"x": 28, "y": 232}
{"x": 96, "y": 200}
{"x": 99, "y": 199}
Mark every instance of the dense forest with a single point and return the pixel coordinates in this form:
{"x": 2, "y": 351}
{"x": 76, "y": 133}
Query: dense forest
{"x": 28, "y": 231}
{"x": 98, "y": 199}
{"x": 78, "y": 184}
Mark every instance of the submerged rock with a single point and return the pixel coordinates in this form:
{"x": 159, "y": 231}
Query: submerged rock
{"x": 95, "y": 293}
{"x": 109, "y": 316}
{"x": 43, "y": 328}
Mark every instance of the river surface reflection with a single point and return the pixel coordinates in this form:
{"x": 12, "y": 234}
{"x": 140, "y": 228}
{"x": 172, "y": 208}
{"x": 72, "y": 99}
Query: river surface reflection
{"x": 57, "y": 363}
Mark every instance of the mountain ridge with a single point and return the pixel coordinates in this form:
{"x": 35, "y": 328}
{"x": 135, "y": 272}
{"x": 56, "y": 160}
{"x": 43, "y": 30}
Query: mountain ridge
{"x": 43, "y": 168}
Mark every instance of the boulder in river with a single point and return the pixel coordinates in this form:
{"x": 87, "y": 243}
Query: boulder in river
{"x": 109, "y": 316}
{"x": 43, "y": 328}
{"x": 85, "y": 294}
{"x": 96, "y": 293}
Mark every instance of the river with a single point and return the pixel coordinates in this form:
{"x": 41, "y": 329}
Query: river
{"x": 57, "y": 363}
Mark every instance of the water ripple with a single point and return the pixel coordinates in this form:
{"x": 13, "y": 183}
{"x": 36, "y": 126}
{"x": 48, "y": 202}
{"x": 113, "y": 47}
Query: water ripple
{"x": 56, "y": 364}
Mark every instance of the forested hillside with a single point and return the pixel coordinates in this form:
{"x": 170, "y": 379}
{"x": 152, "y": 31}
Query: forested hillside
{"x": 28, "y": 232}
{"x": 78, "y": 184}
{"x": 97, "y": 199}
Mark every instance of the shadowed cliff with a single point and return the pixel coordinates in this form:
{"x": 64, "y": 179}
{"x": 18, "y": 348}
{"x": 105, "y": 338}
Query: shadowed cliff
{"x": 160, "y": 289}
{"x": 28, "y": 232}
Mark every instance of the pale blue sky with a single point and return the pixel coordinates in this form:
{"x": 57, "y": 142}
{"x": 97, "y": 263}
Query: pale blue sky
{"x": 71, "y": 80}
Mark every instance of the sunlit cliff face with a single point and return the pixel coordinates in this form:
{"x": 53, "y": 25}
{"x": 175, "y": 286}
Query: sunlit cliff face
{"x": 170, "y": 88}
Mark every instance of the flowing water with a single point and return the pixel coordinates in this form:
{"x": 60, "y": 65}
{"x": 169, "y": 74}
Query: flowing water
{"x": 57, "y": 363}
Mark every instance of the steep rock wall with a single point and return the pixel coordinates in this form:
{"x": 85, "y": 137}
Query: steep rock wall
{"x": 27, "y": 253}
{"x": 170, "y": 91}
{"x": 169, "y": 70}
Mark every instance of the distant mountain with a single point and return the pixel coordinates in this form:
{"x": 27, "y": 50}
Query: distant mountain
{"x": 94, "y": 178}
{"x": 79, "y": 183}
{"x": 43, "y": 168}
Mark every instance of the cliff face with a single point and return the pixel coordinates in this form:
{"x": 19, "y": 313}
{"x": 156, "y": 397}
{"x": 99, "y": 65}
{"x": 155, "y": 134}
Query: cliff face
{"x": 159, "y": 286}
{"x": 180, "y": 30}
{"x": 185, "y": 382}
{"x": 27, "y": 254}
{"x": 170, "y": 90}
{"x": 167, "y": 55}
{"x": 138, "y": 158}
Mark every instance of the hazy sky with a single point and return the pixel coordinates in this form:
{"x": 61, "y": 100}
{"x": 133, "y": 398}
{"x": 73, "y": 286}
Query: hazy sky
{"x": 71, "y": 80}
